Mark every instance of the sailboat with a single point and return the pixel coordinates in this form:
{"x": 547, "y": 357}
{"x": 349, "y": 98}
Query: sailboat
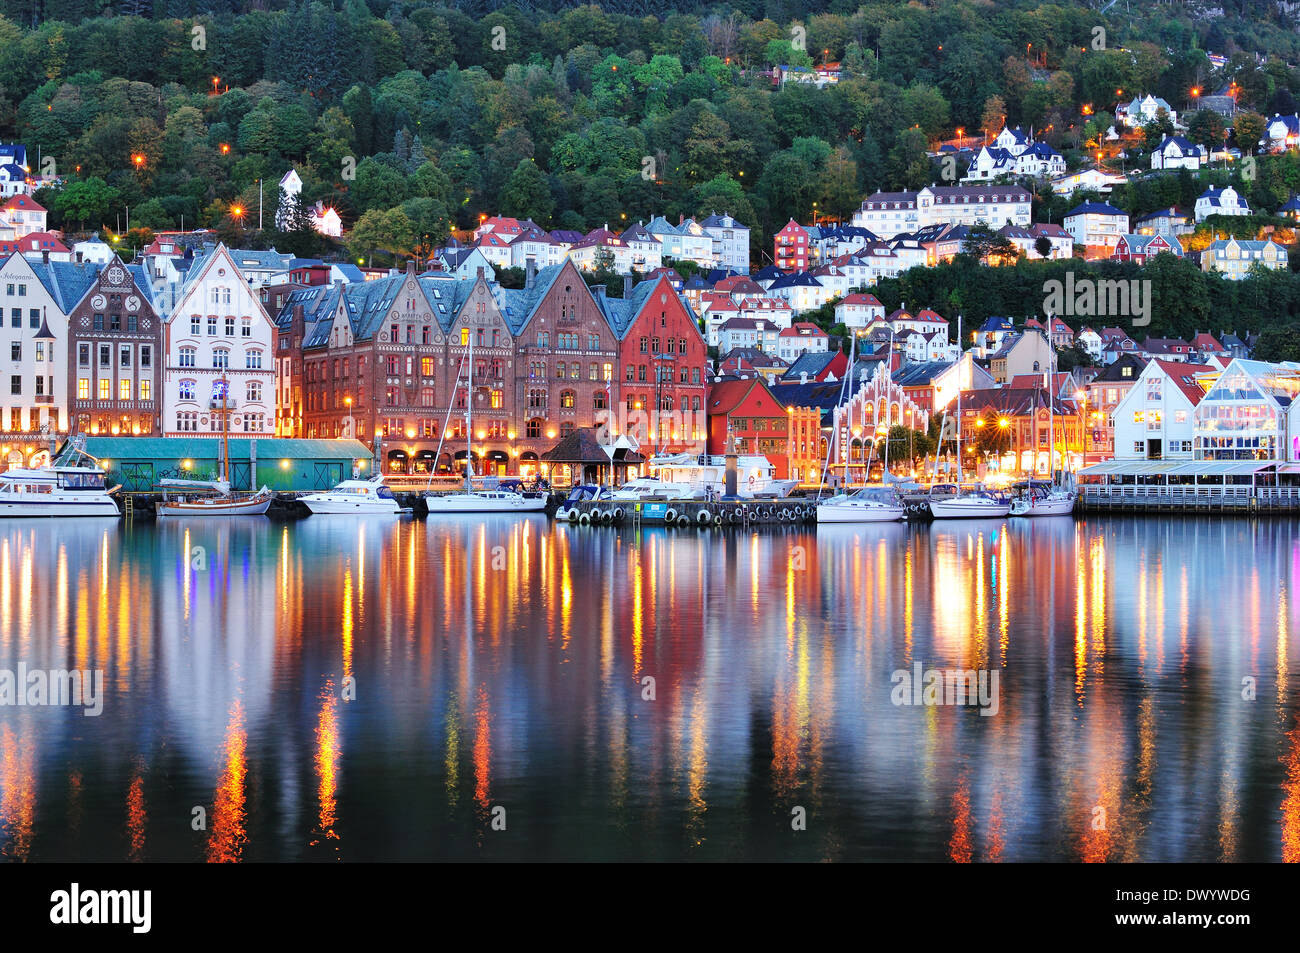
{"x": 972, "y": 504}
{"x": 1049, "y": 500}
{"x": 470, "y": 500}
{"x": 212, "y": 497}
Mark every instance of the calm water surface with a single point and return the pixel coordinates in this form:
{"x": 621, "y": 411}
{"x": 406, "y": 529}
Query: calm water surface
{"x": 502, "y": 664}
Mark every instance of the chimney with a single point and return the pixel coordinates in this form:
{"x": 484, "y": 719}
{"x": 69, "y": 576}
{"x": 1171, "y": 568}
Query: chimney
{"x": 45, "y": 256}
{"x": 530, "y": 271}
{"x": 78, "y": 258}
{"x": 803, "y": 377}
{"x": 627, "y": 286}
{"x": 599, "y": 291}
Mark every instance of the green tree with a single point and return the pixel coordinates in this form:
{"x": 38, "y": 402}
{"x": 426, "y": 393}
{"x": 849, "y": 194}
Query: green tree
{"x": 527, "y": 194}
{"x": 86, "y": 199}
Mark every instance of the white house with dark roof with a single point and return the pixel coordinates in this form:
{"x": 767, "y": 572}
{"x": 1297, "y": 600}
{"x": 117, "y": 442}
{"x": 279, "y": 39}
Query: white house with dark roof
{"x": 1220, "y": 201}
{"x": 1234, "y": 257}
{"x": 1097, "y": 226}
{"x": 1155, "y": 420}
{"x": 1143, "y": 110}
{"x": 730, "y": 241}
{"x": 1176, "y": 152}
{"x": 1282, "y": 132}
{"x": 802, "y": 337}
{"x": 858, "y": 310}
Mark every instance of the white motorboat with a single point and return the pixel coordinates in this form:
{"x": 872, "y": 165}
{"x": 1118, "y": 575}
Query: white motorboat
{"x": 755, "y": 474}
{"x": 1044, "y": 500}
{"x": 209, "y": 498}
{"x": 56, "y": 491}
{"x": 972, "y": 505}
{"x": 653, "y": 488}
{"x": 356, "y": 497}
{"x": 485, "y": 501}
{"x": 868, "y": 505}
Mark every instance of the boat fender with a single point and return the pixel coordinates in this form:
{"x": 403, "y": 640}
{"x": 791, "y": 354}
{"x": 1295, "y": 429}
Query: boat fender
{"x": 585, "y": 519}
{"x": 683, "y": 520}
{"x": 705, "y": 517}
{"x": 670, "y": 515}
{"x": 717, "y": 520}
{"x": 617, "y": 514}
{"x": 573, "y": 516}
{"x": 734, "y": 516}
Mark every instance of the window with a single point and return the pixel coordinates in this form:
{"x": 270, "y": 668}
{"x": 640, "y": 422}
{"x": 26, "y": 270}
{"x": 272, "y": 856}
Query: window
{"x": 83, "y": 355}
{"x": 566, "y": 399}
{"x": 566, "y": 428}
{"x": 115, "y": 322}
{"x": 132, "y": 323}
{"x": 543, "y": 339}
{"x": 1139, "y": 446}
{"x": 212, "y": 325}
{"x": 245, "y": 327}
{"x": 464, "y": 336}
{"x": 559, "y": 370}
{"x": 99, "y": 320}
{"x": 640, "y": 372}
{"x": 187, "y": 390}
{"x": 124, "y": 356}
{"x": 105, "y": 355}
{"x": 1153, "y": 388}
{"x": 16, "y": 350}
{"x": 533, "y": 428}
{"x": 105, "y": 388}
{"x": 124, "y": 389}
{"x": 498, "y": 399}
{"x": 427, "y": 397}
{"x": 221, "y": 358}
{"x": 253, "y": 392}
{"x": 593, "y": 372}
{"x": 1139, "y": 416}
{"x": 631, "y": 373}
{"x": 83, "y": 388}
{"x": 22, "y": 291}
{"x": 426, "y": 367}
{"x": 230, "y": 327}
{"x": 34, "y": 319}
{"x": 146, "y": 354}
{"x": 146, "y": 390}
{"x": 253, "y": 360}
{"x": 645, "y": 345}
{"x": 599, "y": 401}
{"x": 575, "y": 371}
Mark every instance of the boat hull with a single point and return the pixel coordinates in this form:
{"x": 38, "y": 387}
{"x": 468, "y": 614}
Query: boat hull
{"x": 454, "y": 505}
{"x": 848, "y": 513}
{"x": 1045, "y": 508}
{"x": 960, "y": 509}
{"x": 44, "y": 509}
{"x": 252, "y": 507}
{"x": 321, "y": 507}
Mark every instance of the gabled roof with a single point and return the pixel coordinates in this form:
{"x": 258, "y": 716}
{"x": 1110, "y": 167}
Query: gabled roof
{"x": 22, "y": 203}
{"x": 726, "y": 396}
{"x": 1094, "y": 208}
{"x": 1183, "y": 377}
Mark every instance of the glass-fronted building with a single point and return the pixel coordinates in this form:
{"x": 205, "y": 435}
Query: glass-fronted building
{"x": 1249, "y": 414}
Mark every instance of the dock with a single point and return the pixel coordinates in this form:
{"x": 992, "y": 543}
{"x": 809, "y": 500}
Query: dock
{"x": 691, "y": 513}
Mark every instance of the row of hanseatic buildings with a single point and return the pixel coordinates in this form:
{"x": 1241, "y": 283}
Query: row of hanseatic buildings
{"x": 171, "y": 347}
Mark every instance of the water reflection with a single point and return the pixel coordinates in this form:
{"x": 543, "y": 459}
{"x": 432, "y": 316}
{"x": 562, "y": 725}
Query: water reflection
{"x": 338, "y": 689}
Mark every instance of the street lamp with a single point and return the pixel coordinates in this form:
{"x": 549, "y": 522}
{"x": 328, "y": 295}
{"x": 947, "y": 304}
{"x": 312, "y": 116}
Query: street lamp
{"x": 348, "y": 400}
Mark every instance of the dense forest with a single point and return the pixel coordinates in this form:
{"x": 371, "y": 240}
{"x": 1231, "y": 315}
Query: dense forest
{"x": 415, "y": 118}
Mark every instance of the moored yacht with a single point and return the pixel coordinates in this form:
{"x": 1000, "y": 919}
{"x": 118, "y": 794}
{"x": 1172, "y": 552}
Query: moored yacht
{"x": 1041, "y": 499}
{"x": 357, "y": 497}
{"x": 975, "y": 504}
{"x": 209, "y": 498}
{"x": 872, "y": 504}
{"x": 485, "y": 501}
{"x": 755, "y": 474}
{"x": 653, "y": 488}
{"x": 56, "y": 491}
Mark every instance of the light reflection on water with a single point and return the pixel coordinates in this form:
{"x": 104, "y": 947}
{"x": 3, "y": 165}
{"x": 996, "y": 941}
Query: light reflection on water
{"x": 358, "y": 690}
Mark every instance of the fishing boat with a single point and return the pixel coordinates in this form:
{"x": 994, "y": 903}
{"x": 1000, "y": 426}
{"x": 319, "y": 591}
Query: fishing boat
{"x": 471, "y": 500}
{"x": 354, "y": 497}
{"x": 59, "y": 490}
{"x": 872, "y": 504}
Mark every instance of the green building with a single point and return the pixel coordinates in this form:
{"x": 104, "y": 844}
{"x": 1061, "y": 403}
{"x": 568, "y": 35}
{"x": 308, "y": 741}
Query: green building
{"x": 138, "y": 463}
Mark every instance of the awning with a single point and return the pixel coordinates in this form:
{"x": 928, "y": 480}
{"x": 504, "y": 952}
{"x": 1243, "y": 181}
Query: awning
{"x": 528, "y": 456}
{"x": 498, "y": 456}
{"x": 1222, "y": 467}
{"x": 396, "y": 454}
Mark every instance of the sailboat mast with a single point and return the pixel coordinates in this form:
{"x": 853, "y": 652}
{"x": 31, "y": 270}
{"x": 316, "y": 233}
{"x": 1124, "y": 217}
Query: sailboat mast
{"x": 225, "y": 430}
{"x": 469, "y": 412}
{"x": 960, "y": 357}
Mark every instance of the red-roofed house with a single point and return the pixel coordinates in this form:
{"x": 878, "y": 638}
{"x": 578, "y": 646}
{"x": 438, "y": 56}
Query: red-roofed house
{"x": 506, "y": 228}
{"x": 761, "y": 424}
{"x": 1207, "y": 345}
{"x": 1155, "y": 420}
{"x": 25, "y": 214}
{"x": 858, "y": 310}
{"x": 800, "y": 338}
{"x": 37, "y": 245}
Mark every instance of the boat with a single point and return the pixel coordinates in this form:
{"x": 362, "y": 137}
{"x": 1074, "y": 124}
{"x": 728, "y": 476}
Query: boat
{"x": 357, "y": 497}
{"x": 973, "y": 504}
{"x": 213, "y": 497}
{"x": 68, "y": 491}
{"x": 209, "y": 498}
{"x": 582, "y": 493}
{"x": 1043, "y": 499}
{"x": 507, "y": 497}
{"x": 704, "y": 473}
{"x": 653, "y": 488}
{"x": 872, "y": 504}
